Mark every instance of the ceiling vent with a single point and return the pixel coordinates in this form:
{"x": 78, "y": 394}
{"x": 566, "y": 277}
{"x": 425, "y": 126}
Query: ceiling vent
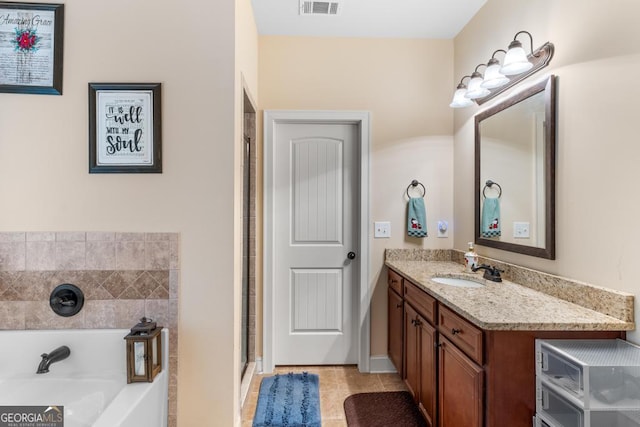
{"x": 319, "y": 7}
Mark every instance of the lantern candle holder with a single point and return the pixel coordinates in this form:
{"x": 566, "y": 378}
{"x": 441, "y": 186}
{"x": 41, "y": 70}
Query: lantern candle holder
{"x": 144, "y": 351}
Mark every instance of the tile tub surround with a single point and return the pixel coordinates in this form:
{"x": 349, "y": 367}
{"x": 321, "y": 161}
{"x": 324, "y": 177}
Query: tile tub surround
{"x": 520, "y": 301}
{"x": 124, "y": 276}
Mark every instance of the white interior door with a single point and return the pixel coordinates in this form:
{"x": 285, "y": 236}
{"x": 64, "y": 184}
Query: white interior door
{"x": 315, "y": 228}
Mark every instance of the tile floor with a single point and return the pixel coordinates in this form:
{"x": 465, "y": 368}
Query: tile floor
{"x": 336, "y": 384}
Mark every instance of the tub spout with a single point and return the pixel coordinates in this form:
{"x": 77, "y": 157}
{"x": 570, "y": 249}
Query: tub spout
{"x": 56, "y": 355}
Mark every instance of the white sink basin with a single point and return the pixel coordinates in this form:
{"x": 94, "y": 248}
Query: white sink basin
{"x": 455, "y": 281}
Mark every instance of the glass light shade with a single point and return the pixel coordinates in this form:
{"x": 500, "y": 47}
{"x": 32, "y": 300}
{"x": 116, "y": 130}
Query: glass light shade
{"x": 459, "y": 100}
{"x": 515, "y": 61}
{"x": 493, "y": 78}
{"x": 475, "y": 90}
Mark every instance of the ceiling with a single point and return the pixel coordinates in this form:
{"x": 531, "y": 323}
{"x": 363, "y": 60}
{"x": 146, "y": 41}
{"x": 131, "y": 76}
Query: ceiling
{"x": 434, "y": 19}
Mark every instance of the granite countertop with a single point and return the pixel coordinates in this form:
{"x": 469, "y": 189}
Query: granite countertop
{"x": 504, "y": 305}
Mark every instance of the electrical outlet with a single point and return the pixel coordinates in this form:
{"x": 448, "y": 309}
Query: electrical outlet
{"x": 382, "y": 229}
{"x": 443, "y": 228}
{"x": 520, "y": 230}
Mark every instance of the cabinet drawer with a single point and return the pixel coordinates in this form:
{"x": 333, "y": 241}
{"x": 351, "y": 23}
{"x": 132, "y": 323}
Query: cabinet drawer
{"x": 394, "y": 281}
{"x": 462, "y": 333}
{"x": 421, "y": 301}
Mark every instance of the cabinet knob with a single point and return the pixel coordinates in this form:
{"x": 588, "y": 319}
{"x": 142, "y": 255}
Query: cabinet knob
{"x": 418, "y": 322}
{"x": 399, "y": 305}
{"x": 455, "y": 331}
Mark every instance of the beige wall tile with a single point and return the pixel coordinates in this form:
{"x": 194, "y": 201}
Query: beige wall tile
{"x": 12, "y": 237}
{"x": 101, "y": 255}
{"x": 174, "y": 284}
{"x": 174, "y": 254}
{"x": 71, "y": 236}
{"x": 12, "y": 314}
{"x": 173, "y": 314}
{"x": 12, "y": 255}
{"x": 100, "y": 236}
{"x": 158, "y": 310}
{"x": 6, "y": 280}
{"x": 39, "y": 315}
{"x": 70, "y": 255}
{"x": 157, "y": 255}
{"x": 115, "y": 284}
{"x": 113, "y": 313}
{"x": 156, "y": 237}
{"x": 129, "y": 237}
{"x": 40, "y": 255}
{"x": 34, "y": 286}
{"x": 145, "y": 284}
{"x": 41, "y": 236}
{"x": 130, "y": 255}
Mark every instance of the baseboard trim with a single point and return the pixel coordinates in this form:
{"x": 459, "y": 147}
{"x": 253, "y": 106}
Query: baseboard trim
{"x": 246, "y": 382}
{"x": 380, "y": 365}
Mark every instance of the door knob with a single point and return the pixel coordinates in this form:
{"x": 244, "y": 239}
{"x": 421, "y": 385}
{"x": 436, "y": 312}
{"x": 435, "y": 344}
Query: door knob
{"x": 351, "y": 255}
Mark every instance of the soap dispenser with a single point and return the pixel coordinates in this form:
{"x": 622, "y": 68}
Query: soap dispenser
{"x": 470, "y": 259}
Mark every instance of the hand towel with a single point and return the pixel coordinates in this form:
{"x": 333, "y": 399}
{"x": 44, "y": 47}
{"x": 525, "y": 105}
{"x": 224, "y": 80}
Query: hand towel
{"x": 416, "y": 218}
{"x": 490, "y": 226}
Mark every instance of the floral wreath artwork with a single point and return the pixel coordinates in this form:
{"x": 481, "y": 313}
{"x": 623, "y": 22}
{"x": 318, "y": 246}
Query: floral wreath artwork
{"x": 26, "y": 40}
{"x": 31, "y": 47}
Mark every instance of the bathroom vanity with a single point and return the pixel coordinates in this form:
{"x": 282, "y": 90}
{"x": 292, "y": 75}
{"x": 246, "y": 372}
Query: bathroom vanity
{"x": 467, "y": 353}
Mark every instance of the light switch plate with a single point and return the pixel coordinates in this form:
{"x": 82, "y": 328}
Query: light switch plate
{"x": 382, "y": 229}
{"x": 520, "y": 230}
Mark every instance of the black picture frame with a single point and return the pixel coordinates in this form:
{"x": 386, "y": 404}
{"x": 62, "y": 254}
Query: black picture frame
{"x": 31, "y": 55}
{"x": 125, "y": 129}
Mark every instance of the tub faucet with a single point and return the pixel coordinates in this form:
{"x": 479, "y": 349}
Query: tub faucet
{"x": 490, "y": 273}
{"x": 56, "y": 355}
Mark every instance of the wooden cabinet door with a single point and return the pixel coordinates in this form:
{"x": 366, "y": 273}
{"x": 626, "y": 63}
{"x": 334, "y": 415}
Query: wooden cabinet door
{"x": 396, "y": 328}
{"x": 411, "y": 350}
{"x": 460, "y": 388}
{"x": 427, "y": 384}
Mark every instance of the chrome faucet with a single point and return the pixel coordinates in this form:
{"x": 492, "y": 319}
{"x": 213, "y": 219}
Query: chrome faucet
{"x": 56, "y": 355}
{"x": 490, "y": 273}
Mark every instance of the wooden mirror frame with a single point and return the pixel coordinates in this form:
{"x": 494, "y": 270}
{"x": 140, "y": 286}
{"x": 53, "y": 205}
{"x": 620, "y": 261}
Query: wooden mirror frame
{"x": 548, "y": 87}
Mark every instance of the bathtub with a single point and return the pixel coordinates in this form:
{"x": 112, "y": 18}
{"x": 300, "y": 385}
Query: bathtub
{"x": 91, "y": 383}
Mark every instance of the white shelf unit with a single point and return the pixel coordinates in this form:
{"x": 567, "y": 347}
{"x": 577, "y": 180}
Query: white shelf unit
{"x": 587, "y": 383}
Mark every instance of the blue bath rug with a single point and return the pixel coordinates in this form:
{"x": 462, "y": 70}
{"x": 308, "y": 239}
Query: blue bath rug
{"x": 291, "y": 400}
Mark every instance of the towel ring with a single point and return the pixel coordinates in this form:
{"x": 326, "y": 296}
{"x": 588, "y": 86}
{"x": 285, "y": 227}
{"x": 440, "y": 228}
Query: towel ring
{"x": 415, "y": 183}
{"x": 490, "y": 184}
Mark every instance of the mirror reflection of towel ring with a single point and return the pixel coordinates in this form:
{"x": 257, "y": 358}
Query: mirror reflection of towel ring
{"x": 490, "y": 184}
{"x": 414, "y": 184}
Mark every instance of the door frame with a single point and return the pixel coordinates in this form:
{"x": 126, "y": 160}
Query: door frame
{"x": 363, "y": 298}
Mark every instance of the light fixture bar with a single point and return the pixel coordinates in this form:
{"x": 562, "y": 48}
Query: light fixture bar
{"x": 540, "y": 58}
{"x": 498, "y": 78}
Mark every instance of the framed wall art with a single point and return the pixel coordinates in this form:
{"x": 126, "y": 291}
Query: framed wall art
{"x": 31, "y": 42}
{"x": 125, "y": 132}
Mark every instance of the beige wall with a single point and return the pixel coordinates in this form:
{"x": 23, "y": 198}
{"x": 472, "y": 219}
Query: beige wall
{"x": 246, "y": 80}
{"x": 44, "y": 184}
{"x": 597, "y": 54}
{"x": 405, "y": 84}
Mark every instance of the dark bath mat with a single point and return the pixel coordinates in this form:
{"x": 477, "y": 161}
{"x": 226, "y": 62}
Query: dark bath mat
{"x": 384, "y": 409}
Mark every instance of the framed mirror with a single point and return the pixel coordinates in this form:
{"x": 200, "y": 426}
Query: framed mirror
{"x": 515, "y": 146}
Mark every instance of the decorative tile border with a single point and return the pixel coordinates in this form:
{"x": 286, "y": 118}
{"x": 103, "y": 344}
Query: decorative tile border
{"x": 124, "y": 276}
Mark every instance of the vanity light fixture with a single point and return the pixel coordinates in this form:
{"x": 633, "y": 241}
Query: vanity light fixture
{"x": 459, "y": 100}
{"x": 475, "y": 89}
{"x": 493, "y": 78}
{"x": 516, "y": 61}
{"x": 517, "y": 66}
